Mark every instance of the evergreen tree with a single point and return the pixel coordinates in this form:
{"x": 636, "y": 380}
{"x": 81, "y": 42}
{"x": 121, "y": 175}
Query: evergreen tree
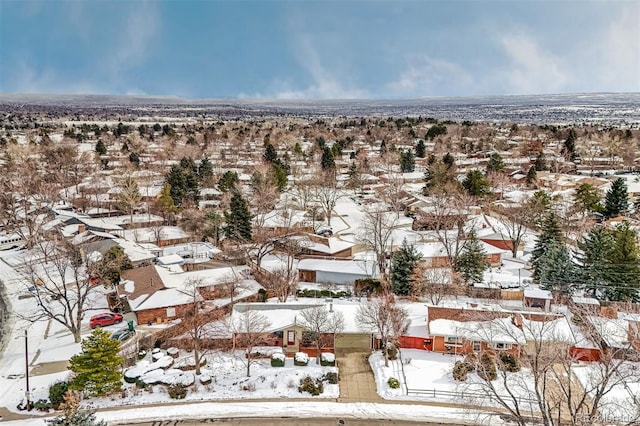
{"x": 177, "y": 182}
{"x": 594, "y": 261}
{"x": 114, "y": 261}
{"x": 205, "y": 169}
{"x": 476, "y": 183}
{"x": 448, "y": 160}
{"x": 569, "y": 148}
{"x": 100, "y": 148}
{"x": 403, "y": 261}
{"x": 97, "y": 367}
{"x": 472, "y": 262}
{"x": 541, "y": 162}
{"x": 555, "y": 270}
{"x": 550, "y": 235}
{"x": 421, "y": 149}
{"x": 624, "y": 274}
{"x": 436, "y": 130}
{"x": 279, "y": 176}
{"x": 165, "y": 202}
{"x": 134, "y": 158}
{"x": 238, "y": 219}
{"x": 407, "y": 161}
{"x": 495, "y": 164}
{"x": 616, "y": 201}
{"x": 327, "y": 162}
{"x": 532, "y": 176}
{"x": 228, "y": 181}
{"x": 587, "y": 199}
{"x": 77, "y": 418}
{"x": 270, "y": 155}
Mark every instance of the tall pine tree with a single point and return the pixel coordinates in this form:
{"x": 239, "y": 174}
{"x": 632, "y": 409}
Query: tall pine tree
{"x": 327, "y": 162}
{"x": 594, "y": 259}
{"x": 238, "y": 219}
{"x": 551, "y": 235}
{"x": 472, "y": 262}
{"x": 616, "y": 201}
{"x": 555, "y": 270}
{"x": 97, "y": 367}
{"x": 403, "y": 261}
{"x": 625, "y": 266}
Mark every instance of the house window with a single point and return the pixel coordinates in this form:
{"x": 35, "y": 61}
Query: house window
{"x": 171, "y": 312}
{"x": 291, "y": 337}
{"x": 501, "y": 346}
{"x": 476, "y": 346}
{"x": 452, "y": 340}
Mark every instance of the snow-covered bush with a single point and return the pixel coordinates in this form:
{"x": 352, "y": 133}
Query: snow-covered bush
{"x": 173, "y": 352}
{"x": 331, "y": 378}
{"x": 327, "y": 359}
{"x": 177, "y": 391}
{"x": 393, "y": 383}
{"x": 277, "y": 360}
{"x": 301, "y": 359}
{"x": 486, "y": 368}
{"x": 205, "y": 379}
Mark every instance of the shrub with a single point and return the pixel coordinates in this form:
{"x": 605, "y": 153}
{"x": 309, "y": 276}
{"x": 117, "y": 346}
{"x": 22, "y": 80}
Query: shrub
{"x": 327, "y": 359}
{"x": 142, "y": 354}
{"x": 508, "y": 362}
{"x": 42, "y": 405}
{"x": 331, "y": 378}
{"x": 313, "y": 386}
{"x": 470, "y": 362}
{"x": 487, "y": 367}
{"x": 392, "y": 351}
{"x": 141, "y": 384}
{"x": 460, "y": 371}
{"x": 205, "y": 379}
{"x": 277, "y": 360}
{"x": 57, "y": 392}
{"x": 301, "y": 359}
{"x": 177, "y": 391}
{"x": 393, "y": 383}
{"x": 249, "y": 387}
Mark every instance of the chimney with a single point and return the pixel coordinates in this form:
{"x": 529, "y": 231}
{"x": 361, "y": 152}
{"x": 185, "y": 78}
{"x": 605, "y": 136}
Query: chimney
{"x": 81, "y": 228}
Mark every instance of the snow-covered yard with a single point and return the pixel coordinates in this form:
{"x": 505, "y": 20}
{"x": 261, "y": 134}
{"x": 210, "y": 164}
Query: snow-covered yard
{"x": 428, "y": 376}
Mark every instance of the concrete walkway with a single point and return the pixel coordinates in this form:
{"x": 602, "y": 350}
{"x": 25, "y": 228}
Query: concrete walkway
{"x": 356, "y": 378}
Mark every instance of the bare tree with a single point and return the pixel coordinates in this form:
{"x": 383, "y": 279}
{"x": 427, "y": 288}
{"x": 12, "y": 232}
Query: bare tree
{"x": 384, "y": 317}
{"x": 64, "y": 283}
{"x": 195, "y": 322}
{"x": 322, "y": 326}
{"x": 376, "y": 235}
{"x": 434, "y": 284}
{"x": 249, "y": 330}
{"x": 513, "y": 224}
{"x": 326, "y": 192}
{"x": 282, "y": 282}
{"x": 448, "y": 217}
{"x": 128, "y": 196}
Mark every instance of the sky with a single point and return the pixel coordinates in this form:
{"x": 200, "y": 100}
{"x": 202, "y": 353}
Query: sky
{"x": 312, "y": 49}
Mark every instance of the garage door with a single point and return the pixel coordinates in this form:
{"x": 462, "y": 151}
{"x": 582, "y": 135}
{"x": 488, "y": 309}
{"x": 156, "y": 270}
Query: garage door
{"x": 354, "y": 341}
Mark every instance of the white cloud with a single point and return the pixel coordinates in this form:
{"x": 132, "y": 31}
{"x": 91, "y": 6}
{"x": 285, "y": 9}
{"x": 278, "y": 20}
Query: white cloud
{"x": 617, "y": 65}
{"x": 27, "y": 79}
{"x": 140, "y": 30}
{"x": 530, "y": 69}
{"x": 425, "y": 76}
{"x": 324, "y": 85}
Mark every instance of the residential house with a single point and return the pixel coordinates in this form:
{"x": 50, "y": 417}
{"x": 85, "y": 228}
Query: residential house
{"x": 286, "y": 328}
{"x": 333, "y": 271}
{"x": 537, "y": 298}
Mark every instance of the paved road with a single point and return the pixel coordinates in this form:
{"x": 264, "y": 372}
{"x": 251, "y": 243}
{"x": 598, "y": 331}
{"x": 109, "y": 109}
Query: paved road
{"x": 288, "y": 422}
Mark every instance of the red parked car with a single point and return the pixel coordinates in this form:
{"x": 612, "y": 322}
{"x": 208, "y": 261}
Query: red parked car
{"x": 108, "y": 318}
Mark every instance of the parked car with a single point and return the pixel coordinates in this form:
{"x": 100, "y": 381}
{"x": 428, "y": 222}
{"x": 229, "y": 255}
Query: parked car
{"x": 107, "y": 318}
{"x": 123, "y": 335}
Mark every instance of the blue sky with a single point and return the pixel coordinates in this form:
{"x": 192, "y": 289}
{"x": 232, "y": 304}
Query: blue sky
{"x": 319, "y": 49}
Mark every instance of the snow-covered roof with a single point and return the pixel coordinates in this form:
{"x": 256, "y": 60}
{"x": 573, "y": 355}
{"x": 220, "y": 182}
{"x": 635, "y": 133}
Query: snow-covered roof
{"x": 499, "y": 330}
{"x": 170, "y": 259}
{"x": 585, "y": 300}
{"x": 353, "y": 267}
{"x": 613, "y": 331}
{"x": 537, "y": 293}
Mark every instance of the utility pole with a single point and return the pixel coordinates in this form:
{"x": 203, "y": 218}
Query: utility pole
{"x": 26, "y": 366}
